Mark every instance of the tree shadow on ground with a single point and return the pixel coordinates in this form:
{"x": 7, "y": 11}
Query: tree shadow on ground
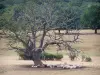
{"x": 29, "y": 67}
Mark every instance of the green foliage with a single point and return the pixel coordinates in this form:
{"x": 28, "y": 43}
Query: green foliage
{"x": 72, "y": 56}
{"x": 58, "y": 56}
{"x": 44, "y": 56}
{"x": 23, "y": 56}
{"x": 48, "y": 56}
{"x": 88, "y": 59}
{"x": 2, "y": 6}
{"x": 91, "y": 16}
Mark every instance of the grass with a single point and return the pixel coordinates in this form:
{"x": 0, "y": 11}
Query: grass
{"x": 90, "y": 44}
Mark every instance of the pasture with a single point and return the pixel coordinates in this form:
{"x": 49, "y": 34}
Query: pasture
{"x": 89, "y": 44}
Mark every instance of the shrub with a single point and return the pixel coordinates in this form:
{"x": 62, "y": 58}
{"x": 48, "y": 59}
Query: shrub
{"x": 58, "y": 56}
{"x": 23, "y": 56}
{"x": 72, "y": 55}
{"x": 44, "y": 56}
{"x": 49, "y": 56}
{"x": 88, "y": 59}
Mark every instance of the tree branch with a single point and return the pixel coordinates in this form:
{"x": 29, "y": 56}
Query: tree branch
{"x": 23, "y": 42}
{"x": 17, "y": 48}
{"x": 43, "y": 35}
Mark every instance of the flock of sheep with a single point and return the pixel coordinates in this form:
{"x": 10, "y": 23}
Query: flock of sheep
{"x": 63, "y": 66}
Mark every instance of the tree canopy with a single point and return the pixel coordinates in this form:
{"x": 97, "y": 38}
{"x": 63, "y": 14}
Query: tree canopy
{"x": 91, "y": 17}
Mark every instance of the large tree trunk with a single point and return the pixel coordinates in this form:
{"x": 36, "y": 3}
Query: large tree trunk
{"x": 59, "y": 31}
{"x": 37, "y": 57}
{"x": 95, "y": 30}
{"x": 66, "y": 31}
{"x": 38, "y": 63}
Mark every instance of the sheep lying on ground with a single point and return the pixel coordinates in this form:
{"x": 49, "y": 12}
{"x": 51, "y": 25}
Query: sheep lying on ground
{"x": 63, "y": 66}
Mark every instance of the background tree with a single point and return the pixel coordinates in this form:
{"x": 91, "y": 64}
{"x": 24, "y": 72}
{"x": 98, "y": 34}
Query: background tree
{"x": 2, "y": 7}
{"x": 75, "y": 7}
{"x": 5, "y": 7}
{"x": 91, "y": 17}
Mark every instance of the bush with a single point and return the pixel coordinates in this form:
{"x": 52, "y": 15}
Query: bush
{"x": 23, "y": 56}
{"x": 72, "y": 56}
{"x": 58, "y": 56}
{"x": 48, "y": 56}
{"x": 44, "y": 56}
{"x": 88, "y": 59}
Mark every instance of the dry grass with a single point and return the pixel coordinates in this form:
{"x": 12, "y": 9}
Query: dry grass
{"x": 90, "y": 44}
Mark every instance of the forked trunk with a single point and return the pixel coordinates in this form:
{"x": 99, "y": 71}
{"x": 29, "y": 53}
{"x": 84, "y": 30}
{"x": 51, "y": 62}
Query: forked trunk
{"x": 37, "y": 58}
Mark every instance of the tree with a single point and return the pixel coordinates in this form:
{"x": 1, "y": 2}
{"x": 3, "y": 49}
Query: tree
{"x": 72, "y": 9}
{"x": 2, "y": 7}
{"x": 69, "y": 18}
{"x": 69, "y": 15}
{"x": 91, "y": 17}
{"x": 32, "y": 25}
{"x": 6, "y": 5}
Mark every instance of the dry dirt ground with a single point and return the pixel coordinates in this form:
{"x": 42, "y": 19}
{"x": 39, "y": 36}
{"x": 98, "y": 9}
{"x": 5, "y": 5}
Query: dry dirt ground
{"x": 10, "y": 65}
